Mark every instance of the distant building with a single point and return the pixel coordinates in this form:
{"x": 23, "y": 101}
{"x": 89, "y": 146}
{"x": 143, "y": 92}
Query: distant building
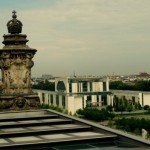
{"x": 143, "y": 74}
{"x": 73, "y": 93}
{"x": 140, "y": 97}
{"x": 47, "y": 76}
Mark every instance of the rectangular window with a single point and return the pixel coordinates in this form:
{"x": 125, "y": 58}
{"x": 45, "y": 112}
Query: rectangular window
{"x": 84, "y": 84}
{"x": 115, "y": 101}
{"x": 48, "y": 99}
{"x": 78, "y": 87}
{"x": 82, "y": 102}
{"x": 89, "y": 100}
{"x": 63, "y": 101}
{"x": 104, "y": 86}
{"x": 51, "y": 99}
{"x": 43, "y": 97}
{"x": 97, "y": 99}
{"x": 70, "y": 87}
{"x": 57, "y": 100}
{"x": 91, "y": 87}
{"x": 133, "y": 100}
{"x": 104, "y": 100}
{"x": 89, "y": 97}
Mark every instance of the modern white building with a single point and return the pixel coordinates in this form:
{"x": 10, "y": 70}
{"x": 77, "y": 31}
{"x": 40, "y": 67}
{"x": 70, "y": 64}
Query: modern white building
{"x": 73, "y": 93}
{"x": 140, "y": 97}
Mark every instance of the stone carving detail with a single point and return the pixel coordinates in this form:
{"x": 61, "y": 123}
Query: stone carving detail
{"x": 20, "y": 102}
{"x": 15, "y": 64}
{"x": 5, "y": 55}
{"x": 6, "y": 104}
{"x": 16, "y": 72}
{"x": 33, "y": 102}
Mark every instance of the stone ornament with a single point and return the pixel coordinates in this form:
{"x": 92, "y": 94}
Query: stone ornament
{"x": 15, "y": 64}
{"x": 14, "y": 25}
{"x": 19, "y": 102}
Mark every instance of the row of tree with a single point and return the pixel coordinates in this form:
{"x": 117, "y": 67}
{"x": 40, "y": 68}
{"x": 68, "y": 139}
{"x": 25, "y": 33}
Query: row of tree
{"x": 95, "y": 114}
{"x": 44, "y": 86}
{"x": 116, "y": 85}
{"x": 137, "y": 86}
{"x": 132, "y": 124}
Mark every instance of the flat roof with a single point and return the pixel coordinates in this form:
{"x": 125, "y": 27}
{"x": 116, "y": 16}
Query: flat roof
{"x": 128, "y": 91}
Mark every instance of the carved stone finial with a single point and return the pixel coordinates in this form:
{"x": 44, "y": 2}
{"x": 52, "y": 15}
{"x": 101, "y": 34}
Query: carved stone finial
{"x": 14, "y": 26}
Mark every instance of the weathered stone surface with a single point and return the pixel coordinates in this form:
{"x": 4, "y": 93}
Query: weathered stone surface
{"x": 15, "y": 64}
{"x": 16, "y": 71}
{"x": 14, "y": 25}
{"x": 19, "y": 102}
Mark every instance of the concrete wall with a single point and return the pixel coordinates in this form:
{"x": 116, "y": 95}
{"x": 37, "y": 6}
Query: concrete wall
{"x": 97, "y": 86}
{"x": 110, "y": 100}
{"x": 74, "y": 88}
{"x": 73, "y": 102}
{"x": 70, "y": 104}
{"x": 107, "y": 85}
{"x": 146, "y": 97}
{"x": 77, "y": 103}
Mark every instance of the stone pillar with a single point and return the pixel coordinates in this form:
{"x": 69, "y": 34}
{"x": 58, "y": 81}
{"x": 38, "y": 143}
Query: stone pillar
{"x": 16, "y": 67}
{"x": 15, "y": 64}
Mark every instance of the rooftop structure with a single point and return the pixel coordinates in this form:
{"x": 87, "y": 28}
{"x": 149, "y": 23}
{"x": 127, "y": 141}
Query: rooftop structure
{"x": 73, "y": 93}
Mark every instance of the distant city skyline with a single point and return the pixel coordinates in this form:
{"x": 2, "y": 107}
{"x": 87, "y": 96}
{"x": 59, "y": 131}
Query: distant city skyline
{"x": 88, "y": 37}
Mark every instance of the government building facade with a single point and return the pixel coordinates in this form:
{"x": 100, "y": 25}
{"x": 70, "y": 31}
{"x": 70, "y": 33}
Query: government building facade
{"x": 73, "y": 93}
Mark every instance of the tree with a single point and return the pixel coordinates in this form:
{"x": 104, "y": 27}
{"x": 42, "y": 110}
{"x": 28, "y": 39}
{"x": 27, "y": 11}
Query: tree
{"x": 110, "y": 124}
{"x": 142, "y": 85}
{"x": 96, "y": 114}
{"x": 127, "y": 128}
{"x": 138, "y": 86}
{"x": 133, "y": 124}
{"x": 137, "y": 131}
{"x": 121, "y": 108}
{"x": 109, "y": 108}
{"x": 129, "y": 108}
{"x": 146, "y": 107}
{"x": 45, "y": 86}
{"x": 148, "y": 111}
{"x": 139, "y": 106}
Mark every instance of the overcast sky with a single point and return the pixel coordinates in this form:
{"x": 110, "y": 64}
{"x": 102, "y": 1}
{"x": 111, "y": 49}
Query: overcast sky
{"x": 88, "y": 37}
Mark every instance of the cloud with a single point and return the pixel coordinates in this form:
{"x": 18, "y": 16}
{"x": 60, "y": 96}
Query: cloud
{"x": 100, "y": 32}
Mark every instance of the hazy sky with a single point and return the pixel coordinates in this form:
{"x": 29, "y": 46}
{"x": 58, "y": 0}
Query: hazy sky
{"x": 88, "y": 37}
